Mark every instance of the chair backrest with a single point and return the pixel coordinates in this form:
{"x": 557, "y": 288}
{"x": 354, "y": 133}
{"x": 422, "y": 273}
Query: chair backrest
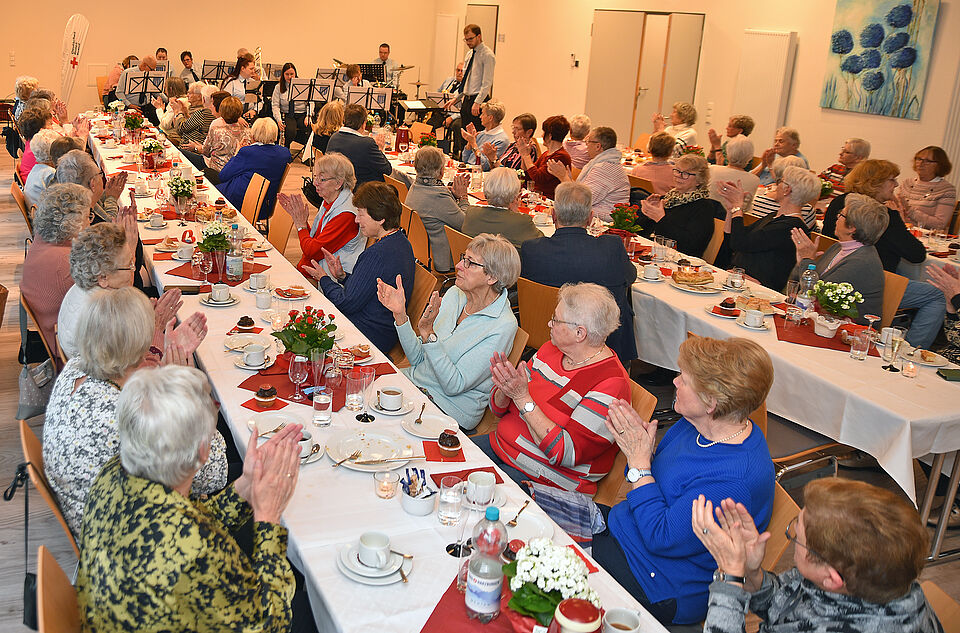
{"x": 57, "y": 607}
{"x": 268, "y": 213}
{"x": 955, "y": 221}
{"x": 316, "y": 153}
{"x": 489, "y": 421}
{"x": 4, "y": 293}
{"x": 46, "y": 344}
{"x": 33, "y": 453}
{"x": 641, "y": 183}
{"x": 946, "y": 608}
{"x": 824, "y": 243}
{"x": 458, "y": 242}
{"x": 785, "y": 510}
{"x": 894, "y": 286}
{"x": 61, "y": 355}
{"x": 418, "y": 129}
{"x": 424, "y": 283}
{"x": 575, "y": 172}
{"x": 405, "y": 213}
{"x": 279, "y": 233}
{"x": 611, "y": 489}
{"x": 419, "y": 239}
{"x": 17, "y": 194}
{"x": 642, "y": 140}
{"x": 253, "y": 198}
{"x": 713, "y": 247}
{"x": 101, "y": 83}
{"x": 537, "y": 303}
{"x": 401, "y": 187}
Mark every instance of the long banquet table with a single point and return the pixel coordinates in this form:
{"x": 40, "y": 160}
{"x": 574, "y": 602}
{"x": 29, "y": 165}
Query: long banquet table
{"x": 332, "y": 507}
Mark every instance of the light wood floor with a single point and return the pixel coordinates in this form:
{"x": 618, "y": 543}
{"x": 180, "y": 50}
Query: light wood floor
{"x": 44, "y": 529}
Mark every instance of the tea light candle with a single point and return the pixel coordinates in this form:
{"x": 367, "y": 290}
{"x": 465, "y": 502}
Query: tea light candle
{"x": 385, "y": 484}
{"x": 910, "y": 370}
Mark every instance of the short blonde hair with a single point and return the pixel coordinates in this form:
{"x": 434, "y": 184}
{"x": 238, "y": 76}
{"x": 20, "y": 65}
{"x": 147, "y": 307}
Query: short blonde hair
{"x": 591, "y": 306}
{"x": 264, "y": 130}
{"x": 429, "y": 162}
{"x": 330, "y": 118}
{"x": 790, "y": 133}
{"x": 869, "y": 175}
{"x": 114, "y": 332}
{"x": 686, "y": 112}
{"x": 336, "y": 165}
{"x": 495, "y": 109}
{"x": 734, "y": 373}
{"x": 661, "y": 145}
{"x": 580, "y": 125}
{"x": 500, "y": 259}
{"x": 24, "y": 86}
{"x": 868, "y": 217}
{"x": 697, "y": 165}
{"x": 230, "y": 109}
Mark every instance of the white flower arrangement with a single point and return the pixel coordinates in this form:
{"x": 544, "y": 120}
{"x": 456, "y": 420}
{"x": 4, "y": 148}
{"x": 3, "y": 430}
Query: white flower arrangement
{"x": 181, "y": 187}
{"x": 553, "y": 568}
{"x": 215, "y": 228}
{"x": 837, "y": 298}
{"x": 117, "y": 105}
{"x": 151, "y": 146}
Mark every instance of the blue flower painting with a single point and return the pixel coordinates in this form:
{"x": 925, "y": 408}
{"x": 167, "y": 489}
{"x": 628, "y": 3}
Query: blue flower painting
{"x": 879, "y": 56}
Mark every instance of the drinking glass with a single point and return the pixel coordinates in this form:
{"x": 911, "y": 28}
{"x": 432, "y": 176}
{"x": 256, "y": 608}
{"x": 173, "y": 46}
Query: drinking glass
{"x": 385, "y": 483}
{"x": 793, "y": 287}
{"x": 670, "y": 249}
{"x": 451, "y": 500}
{"x": 860, "y": 345}
{"x": 355, "y": 387}
{"x": 332, "y": 374}
{"x": 206, "y": 266}
{"x": 368, "y": 375}
{"x": 892, "y": 350}
{"x": 317, "y": 357}
{"x": 735, "y": 278}
{"x": 322, "y": 406}
{"x": 659, "y": 248}
{"x": 297, "y": 372}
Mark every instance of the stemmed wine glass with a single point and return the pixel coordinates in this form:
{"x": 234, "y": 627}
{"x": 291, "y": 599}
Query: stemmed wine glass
{"x": 297, "y": 373}
{"x": 368, "y": 374}
{"x": 892, "y": 350}
{"x": 206, "y": 266}
{"x": 874, "y": 334}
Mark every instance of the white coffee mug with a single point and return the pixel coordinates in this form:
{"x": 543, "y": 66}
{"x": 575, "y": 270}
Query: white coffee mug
{"x": 254, "y": 355}
{"x": 264, "y": 300}
{"x": 156, "y": 220}
{"x": 480, "y": 487}
{"x": 185, "y": 251}
{"x": 885, "y": 334}
{"x": 621, "y": 621}
{"x": 306, "y": 443}
{"x": 258, "y": 280}
{"x": 374, "y": 550}
{"x": 651, "y": 271}
{"x": 753, "y": 318}
{"x": 220, "y": 292}
{"x": 390, "y": 398}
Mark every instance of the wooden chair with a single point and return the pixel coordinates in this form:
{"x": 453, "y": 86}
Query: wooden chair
{"x": 575, "y": 172}
{"x": 825, "y": 242}
{"x": 612, "y": 489}
{"x": 33, "y": 453}
{"x": 405, "y": 213}
{"x": 458, "y": 242}
{"x": 253, "y": 198}
{"x": 419, "y": 239}
{"x": 101, "y": 84}
{"x": 489, "y": 421}
{"x": 955, "y": 222}
{"x": 279, "y": 232}
{"x": 785, "y": 510}
{"x": 418, "y": 129}
{"x": 57, "y": 608}
{"x": 641, "y": 183}
{"x": 60, "y": 354}
{"x": 946, "y": 608}
{"x": 316, "y": 154}
{"x": 894, "y": 286}
{"x": 4, "y": 293}
{"x": 283, "y": 182}
{"x": 401, "y": 187}
{"x": 642, "y": 140}
{"x": 537, "y": 303}
{"x": 424, "y": 283}
{"x": 17, "y": 194}
{"x": 51, "y": 349}
{"x": 713, "y": 247}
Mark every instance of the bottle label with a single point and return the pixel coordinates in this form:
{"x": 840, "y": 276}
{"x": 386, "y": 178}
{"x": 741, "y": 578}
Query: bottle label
{"x": 234, "y": 266}
{"x": 483, "y": 594}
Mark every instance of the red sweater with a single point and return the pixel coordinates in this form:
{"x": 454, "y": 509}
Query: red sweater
{"x": 338, "y": 231}
{"x": 579, "y": 450}
{"x": 544, "y": 182}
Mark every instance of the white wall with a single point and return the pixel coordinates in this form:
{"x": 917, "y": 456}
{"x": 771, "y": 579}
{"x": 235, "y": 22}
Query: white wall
{"x": 533, "y": 63}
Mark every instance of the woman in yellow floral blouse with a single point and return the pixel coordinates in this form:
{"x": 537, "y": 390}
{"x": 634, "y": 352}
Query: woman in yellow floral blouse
{"x": 152, "y": 558}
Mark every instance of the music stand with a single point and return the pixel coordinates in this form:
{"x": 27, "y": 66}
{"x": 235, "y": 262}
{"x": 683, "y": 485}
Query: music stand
{"x": 272, "y": 72}
{"x": 311, "y": 90}
{"x": 442, "y": 97}
{"x": 370, "y": 98}
{"x": 214, "y": 71}
{"x": 373, "y": 72}
{"x": 140, "y": 83}
{"x": 328, "y": 73}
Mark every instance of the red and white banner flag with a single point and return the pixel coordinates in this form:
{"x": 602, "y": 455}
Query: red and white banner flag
{"x": 74, "y": 35}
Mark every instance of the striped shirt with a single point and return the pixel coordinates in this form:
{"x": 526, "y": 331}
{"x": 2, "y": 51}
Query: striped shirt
{"x": 608, "y": 182}
{"x": 579, "y": 450}
{"x": 763, "y": 205}
{"x": 834, "y": 174}
{"x": 193, "y": 128}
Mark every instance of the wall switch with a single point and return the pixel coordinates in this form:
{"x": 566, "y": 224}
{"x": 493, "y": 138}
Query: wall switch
{"x": 501, "y": 37}
{"x": 13, "y": 58}
{"x": 574, "y": 62}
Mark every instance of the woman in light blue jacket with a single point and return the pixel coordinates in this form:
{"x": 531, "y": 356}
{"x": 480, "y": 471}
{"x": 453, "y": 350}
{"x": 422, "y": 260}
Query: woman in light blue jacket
{"x": 450, "y": 352}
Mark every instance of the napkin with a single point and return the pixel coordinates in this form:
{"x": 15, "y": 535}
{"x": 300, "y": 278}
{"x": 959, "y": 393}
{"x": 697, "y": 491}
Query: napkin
{"x": 805, "y": 335}
{"x": 165, "y": 166}
{"x": 463, "y": 474}
{"x": 450, "y": 615}
{"x": 163, "y": 257}
{"x": 151, "y": 242}
{"x": 186, "y": 271}
{"x": 432, "y": 452}
{"x": 276, "y": 406}
{"x": 255, "y": 330}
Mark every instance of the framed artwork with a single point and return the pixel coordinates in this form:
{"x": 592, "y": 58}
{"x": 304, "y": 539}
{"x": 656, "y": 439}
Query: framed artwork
{"x": 879, "y": 56}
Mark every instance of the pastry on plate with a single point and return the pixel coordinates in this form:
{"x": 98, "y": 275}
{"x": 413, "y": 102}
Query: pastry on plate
{"x": 449, "y": 443}
{"x": 266, "y": 395}
{"x": 754, "y": 303}
{"x": 360, "y": 352}
{"x": 245, "y": 324}
{"x": 693, "y": 277}
{"x": 291, "y": 292}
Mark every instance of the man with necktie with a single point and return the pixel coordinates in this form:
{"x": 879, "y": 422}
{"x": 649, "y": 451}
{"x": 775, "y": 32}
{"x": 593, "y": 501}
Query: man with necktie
{"x": 188, "y": 74}
{"x": 477, "y": 84}
{"x": 389, "y": 65}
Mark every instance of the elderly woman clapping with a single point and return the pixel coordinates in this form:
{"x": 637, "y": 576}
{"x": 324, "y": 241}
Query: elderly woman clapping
{"x": 43, "y": 172}
{"x": 437, "y": 204}
{"x": 491, "y": 114}
{"x": 80, "y": 433}
{"x": 198, "y": 577}
{"x": 456, "y": 337}
{"x": 713, "y": 450}
{"x": 786, "y": 142}
{"x": 552, "y": 408}
{"x": 682, "y": 117}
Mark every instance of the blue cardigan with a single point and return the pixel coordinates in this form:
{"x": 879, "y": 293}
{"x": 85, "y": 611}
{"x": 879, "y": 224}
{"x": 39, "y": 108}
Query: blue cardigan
{"x": 267, "y": 160}
{"x": 356, "y": 296}
{"x": 652, "y": 525}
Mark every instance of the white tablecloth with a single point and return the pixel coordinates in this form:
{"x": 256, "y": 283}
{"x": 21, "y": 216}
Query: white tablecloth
{"x": 332, "y": 507}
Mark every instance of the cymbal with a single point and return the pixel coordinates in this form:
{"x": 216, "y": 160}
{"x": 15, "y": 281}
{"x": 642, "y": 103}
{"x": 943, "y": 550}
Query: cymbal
{"x": 400, "y": 69}
{"x": 416, "y": 83}
{"x": 337, "y": 62}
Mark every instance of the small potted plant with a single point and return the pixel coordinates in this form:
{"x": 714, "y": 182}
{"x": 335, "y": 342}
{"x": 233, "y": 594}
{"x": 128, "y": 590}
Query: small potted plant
{"x": 216, "y": 243}
{"x": 625, "y": 222}
{"x": 151, "y": 151}
{"x": 306, "y": 331}
{"x": 428, "y": 139}
{"x": 181, "y": 190}
{"x": 133, "y": 121}
{"x": 116, "y": 107}
{"x": 835, "y": 302}
{"x": 696, "y": 150}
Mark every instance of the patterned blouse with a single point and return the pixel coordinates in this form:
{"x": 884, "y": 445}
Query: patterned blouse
{"x": 153, "y": 560}
{"x": 223, "y": 142}
{"x": 80, "y": 435}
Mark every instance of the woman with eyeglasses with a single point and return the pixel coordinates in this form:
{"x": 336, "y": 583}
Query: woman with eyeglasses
{"x": 928, "y": 200}
{"x": 455, "y": 339}
{"x": 552, "y": 407}
{"x": 686, "y": 212}
{"x": 858, "y": 553}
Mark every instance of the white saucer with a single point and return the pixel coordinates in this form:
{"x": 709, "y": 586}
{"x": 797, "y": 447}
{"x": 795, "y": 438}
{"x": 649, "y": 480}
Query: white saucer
{"x": 499, "y": 499}
{"x": 246, "y": 286}
{"x": 145, "y": 195}
{"x": 313, "y": 457}
{"x": 761, "y": 328}
{"x": 205, "y": 300}
{"x": 662, "y": 277}
{"x": 732, "y": 289}
{"x": 709, "y": 310}
{"x": 156, "y": 228}
{"x": 529, "y": 525}
{"x": 350, "y": 558}
{"x": 407, "y": 566}
{"x": 242, "y": 339}
{"x": 405, "y": 409}
{"x": 431, "y": 427}
{"x": 177, "y": 258}
{"x": 242, "y": 365}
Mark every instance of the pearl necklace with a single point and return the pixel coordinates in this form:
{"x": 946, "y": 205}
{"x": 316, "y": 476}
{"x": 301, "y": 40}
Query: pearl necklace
{"x": 726, "y": 439}
{"x": 573, "y": 364}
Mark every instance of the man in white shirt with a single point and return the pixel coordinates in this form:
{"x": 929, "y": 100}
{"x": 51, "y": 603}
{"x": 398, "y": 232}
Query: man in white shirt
{"x": 389, "y": 65}
{"x": 478, "y": 67}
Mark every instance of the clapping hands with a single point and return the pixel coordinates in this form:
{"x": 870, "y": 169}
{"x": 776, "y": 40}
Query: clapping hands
{"x": 733, "y": 539}
{"x": 652, "y": 207}
{"x": 393, "y": 299}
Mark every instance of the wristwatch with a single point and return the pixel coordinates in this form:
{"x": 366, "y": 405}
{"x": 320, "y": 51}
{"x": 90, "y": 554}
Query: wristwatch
{"x": 528, "y": 408}
{"x": 634, "y": 474}
{"x": 720, "y": 575}
{"x": 432, "y": 338}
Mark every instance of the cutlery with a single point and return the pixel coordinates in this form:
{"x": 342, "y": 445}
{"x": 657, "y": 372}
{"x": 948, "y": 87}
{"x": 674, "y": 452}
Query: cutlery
{"x": 353, "y": 455}
{"x": 513, "y": 522}
{"x": 403, "y": 576}
{"x": 401, "y": 554}
{"x": 313, "y": 451}
{"x": 390, "y": 459}
{"x": 419, "y": 419}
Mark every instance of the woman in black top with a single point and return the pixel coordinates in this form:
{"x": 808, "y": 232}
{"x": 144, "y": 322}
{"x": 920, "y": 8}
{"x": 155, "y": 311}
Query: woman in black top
{"x": 765, "y": 249}
{"x": 686, "y": 212}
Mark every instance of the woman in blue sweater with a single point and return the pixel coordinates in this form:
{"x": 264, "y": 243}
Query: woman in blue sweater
{"x": 263, "y": 157}
{"x": 714, "y": 450}
{"x": 389, "y": 257}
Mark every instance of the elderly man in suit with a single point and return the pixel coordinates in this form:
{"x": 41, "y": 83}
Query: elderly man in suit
{"x": 571, "y": 255}
{"x": 369, "y": 163}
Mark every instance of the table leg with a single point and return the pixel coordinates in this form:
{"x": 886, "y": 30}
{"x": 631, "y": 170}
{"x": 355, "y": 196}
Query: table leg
{"x": 936, "y": 556}
{"x": 931, "y": 487}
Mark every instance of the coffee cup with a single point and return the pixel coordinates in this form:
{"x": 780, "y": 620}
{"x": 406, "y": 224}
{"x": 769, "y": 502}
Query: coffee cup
{"x": 156, "y": 220}
{"x": 258, "y": 281}
{"x": 220, "y": 292}
{"x": 390, "y": 398}
{"x": 753, "y": 318}
{"x": 885, "y": 335}
{"x": 480, "y": 487}
{"x": 184, "y": 251}
{"x": 621, "y": 621}
{"x": 111, "y": 143}
{"x": 651, "y": 271}
{"x": 264, "y": 299}
{"x": 374, "y": 549}
{"x": 254, "y": 355}
{"x": 141, "y": 187}
{"x": 306, "y": 442}
{"x": 129, "y": 157}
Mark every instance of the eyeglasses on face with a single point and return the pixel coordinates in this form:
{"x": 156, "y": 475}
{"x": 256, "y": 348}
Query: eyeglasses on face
{"x": 791, "y": 534}
{"x": 555, "y": 321}
{"x": 469, "y": 39}
{"x": 467, "y": 262}
{"x": 683, "y": 175}
{"x": 925, "y": 161}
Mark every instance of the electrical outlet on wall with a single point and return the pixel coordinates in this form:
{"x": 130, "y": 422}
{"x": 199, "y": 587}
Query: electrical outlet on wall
{"x": 13, "y": 58}
{"x": 574, "y": 62}
{"x": 501, "y": 37}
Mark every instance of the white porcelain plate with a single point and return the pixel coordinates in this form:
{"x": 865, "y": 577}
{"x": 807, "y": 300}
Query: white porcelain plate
{"x": 530, "y": 525}
{"x": 431, "y": 427}
{"x": 235, "y": 341}
{"x": 372, "y": 444}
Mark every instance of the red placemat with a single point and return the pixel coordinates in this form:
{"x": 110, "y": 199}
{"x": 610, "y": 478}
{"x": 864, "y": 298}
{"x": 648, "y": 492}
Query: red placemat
{"x": 463, "y": 474}
{"x": 718, "y": 311}
{"x": 277, "y": 376}
{"x": 151, "y": 242}
{"x": 591, "y": 568}
{"x": 255, "y": 330}
{"x": 432, "y": 452}
{"x": 479, "y": 196}
{"x": 450, "y": 614}
{"x": 804, "y": 335}
{"x": 186, "y": 271}
{"x": 276, "y": 406}
{"x": 165, "y": 166}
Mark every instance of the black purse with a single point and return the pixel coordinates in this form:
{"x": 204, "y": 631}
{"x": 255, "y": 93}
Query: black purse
{"x": 30, "y": 580}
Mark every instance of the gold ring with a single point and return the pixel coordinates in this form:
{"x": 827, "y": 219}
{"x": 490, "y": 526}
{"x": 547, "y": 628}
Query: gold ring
{"x": 623, "y": 431}
{"x": 289, "y": 475}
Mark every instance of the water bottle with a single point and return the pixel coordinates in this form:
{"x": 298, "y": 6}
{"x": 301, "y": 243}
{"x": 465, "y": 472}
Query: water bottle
{"x": 808, "y": 280}
{"x": 485, "y": 573}
{"x": 175, "y": 168}
{"x": 235, "y": 255}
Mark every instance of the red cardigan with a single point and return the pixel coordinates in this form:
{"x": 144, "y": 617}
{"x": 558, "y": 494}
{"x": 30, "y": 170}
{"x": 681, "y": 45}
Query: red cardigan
{"x": 544, "y": 182}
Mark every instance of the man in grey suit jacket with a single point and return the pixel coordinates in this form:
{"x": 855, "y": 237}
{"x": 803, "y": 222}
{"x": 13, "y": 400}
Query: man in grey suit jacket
{"x": 369, "y": 163}
{"x": 501, "y": 215}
